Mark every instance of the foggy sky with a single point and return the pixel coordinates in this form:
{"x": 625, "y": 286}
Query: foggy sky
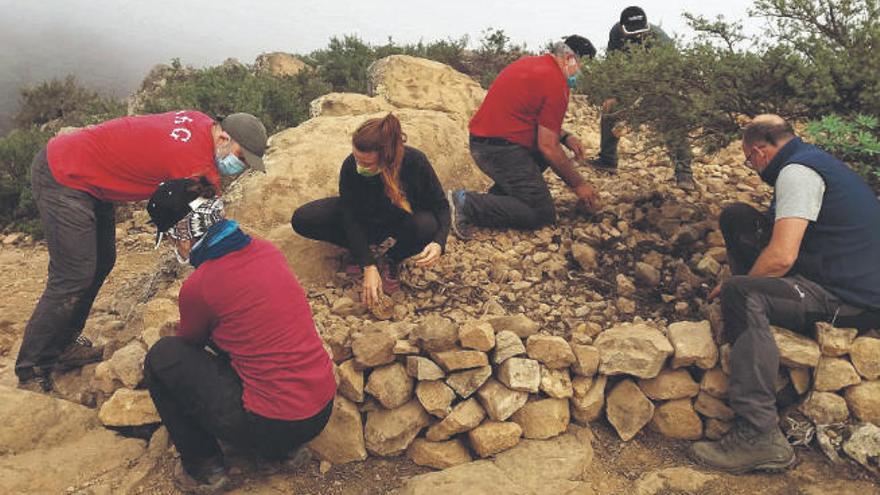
{"x": 111, "y": 44}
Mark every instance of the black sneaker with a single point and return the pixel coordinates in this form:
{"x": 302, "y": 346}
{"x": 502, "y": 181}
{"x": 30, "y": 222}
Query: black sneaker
{"x": 36, "y": 380}
{"x": 601, "y": 165}
{"x": 746, "y": 449}
{"x": 79, "y": 353}
{"x": 685, "y": 181}
{"x": 460, "y": 224}
{"x": 204, "y": 477}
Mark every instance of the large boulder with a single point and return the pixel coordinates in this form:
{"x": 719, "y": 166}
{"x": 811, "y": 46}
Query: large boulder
{"x": 279, "y": 64}
{"x": 628, "y": 409}
{"x": 129, "y": 408}
{"x": 638, "y": 350}
{"x": 390, "y": 432}
{"x": 342, "y": 440}
{"x": 341, "y": 104}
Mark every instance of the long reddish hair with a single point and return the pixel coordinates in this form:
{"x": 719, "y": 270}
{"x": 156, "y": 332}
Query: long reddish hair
{"x": 385, "y": 137}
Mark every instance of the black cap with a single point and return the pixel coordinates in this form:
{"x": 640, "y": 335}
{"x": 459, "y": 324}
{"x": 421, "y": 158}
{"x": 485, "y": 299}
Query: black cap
{"x": 580, "y": 46}
{"x": 171, "y": 202}
{"x": 633, "y": 20}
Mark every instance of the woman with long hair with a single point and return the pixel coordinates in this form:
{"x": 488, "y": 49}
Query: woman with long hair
{"x": 386, "y": 190}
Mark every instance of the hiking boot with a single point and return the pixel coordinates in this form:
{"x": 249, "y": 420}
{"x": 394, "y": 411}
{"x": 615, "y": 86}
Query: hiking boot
{"x": 685, "y": 181}
{"x": 601, "y": 165}
{"x": 79, "y": 353}
{"x": 460, "y": 224}
{"x": 37, "y": 380}
{"x": 746, "y": 449}
{"x": 298, "y": 459}
{"x": 203, "y": 477}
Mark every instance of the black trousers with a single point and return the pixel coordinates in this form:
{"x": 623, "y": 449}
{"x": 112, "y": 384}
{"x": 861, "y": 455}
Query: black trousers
{"x": 751, "y": 304}
{"x": 677, "y": 146}
{"x": 322, "y": 220}
{"x": 198, "y": 396}
{"x": 80, "y": 231}
{"x": 520, "y": 197}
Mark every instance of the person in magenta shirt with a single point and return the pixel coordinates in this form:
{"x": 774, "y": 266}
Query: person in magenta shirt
{"x": 75, "y": 181}
{"x": 516, "y": 134}
{"x": 268, "y": 386}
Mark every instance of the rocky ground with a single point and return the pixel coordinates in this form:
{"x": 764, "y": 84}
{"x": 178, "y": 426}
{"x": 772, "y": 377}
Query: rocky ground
{"x": 650, "y": 256}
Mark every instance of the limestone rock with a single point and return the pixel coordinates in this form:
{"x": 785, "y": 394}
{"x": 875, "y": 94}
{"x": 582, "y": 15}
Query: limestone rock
{"x": 459, "y": 359}
{"x": 520, "y": 374}
{"x": 499, "y": 401}
{"x": 673, "y": 480}
{"x": 833, "y": 374}
{"x": 159, "y": 312}
{"x": 864, "y": 446}
{"x": 693, "y": 344}
{"x": 346, "y": 306}
{"x": 709, "y": 267}
{"x": 465, "y": 416}
{"x": 834, "y": 342}
{"x": 543, "y": 418}
{"x": 129, "y": 408}
{"x": 637, "y": 350}
{"x": 127, "y": 364}
{"x": 405, "y": 347}
{"x": 436, "y": 397}
{"x": 713, "y": 408}
{"x": 670, "y": 385}
{"x": 438, "y": 455}
{"x": 520, "y": 325}
{"x": 390, "y": 385}
{"x": 588, "y": 399}
{"x": 390, "y": 432}
{"x": 795, "y": 350}
{"x": 714, "y": 383}
{"x": 800, "y": 379}
{"x": 554, "y": 466}
{"x": 647, "y": 275}
{"x": 678, "y": 419}
{"x": 628, "y": 409}
{"x": 493, "y": 437}
{"x": 351, "y": 381}
{"x": 507, "y": 345}
{"x": 346, "y": 104}
{"x": 586, "y": 360}
{"x": 373, "y": 347}
{"x": 825, "y": 408}
{"x": 865, "y": 356}
{"x": 342, "y": 440}
{"x": 477, "y": 335}
{"x": 585, "y": 255}
{"x": 465, "y": 383}
{"x": 553, "y": 352}
{"x": 864, "y": 400}
{"x": 279, "y": 64}
{"x": 478, "y": 478}
{"x": 556, "y": 383}
{"x": 435, "y": 334}
{"x": 410, "y": 82}
{"x": 422, "y": 368}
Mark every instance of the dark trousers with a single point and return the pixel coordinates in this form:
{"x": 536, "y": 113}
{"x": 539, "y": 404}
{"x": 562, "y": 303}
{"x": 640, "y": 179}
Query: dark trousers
{"x": 322, "y": 220}
{"x": 81, "y": 234}
{"x": 677, "y": 146}
{"x": 520, "y": 197}
{"x": 751, "y": 304}
{"x": 198, "y": 396}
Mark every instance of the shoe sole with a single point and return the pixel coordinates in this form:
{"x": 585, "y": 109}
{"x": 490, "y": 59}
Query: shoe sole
{"x": 454, "y": 214}
{"x": 78, "y": 363}
{"x": 766, "y": 467}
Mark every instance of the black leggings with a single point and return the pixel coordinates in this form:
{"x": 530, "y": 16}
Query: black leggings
{"x": 322, "y": 220}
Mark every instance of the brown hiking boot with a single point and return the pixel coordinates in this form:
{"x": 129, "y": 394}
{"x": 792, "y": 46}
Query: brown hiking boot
{"x": 205, "y": 477}
{"x": 79, "y": 353}
{"x": 746, "y": 449}
{"x": 685, "y": 181}
{"x": 37, "y": 380}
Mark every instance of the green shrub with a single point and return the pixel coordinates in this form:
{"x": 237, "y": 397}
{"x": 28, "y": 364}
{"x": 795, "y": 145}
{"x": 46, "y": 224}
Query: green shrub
{"x": 853, "y": 140}
{"x": 65, "y": 103}
{"x": 17, "y": 150}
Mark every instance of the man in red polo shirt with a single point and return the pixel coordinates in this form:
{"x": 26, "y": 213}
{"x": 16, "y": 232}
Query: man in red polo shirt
{"x": 516, "y": 134}
{"x": 75, "y": 181}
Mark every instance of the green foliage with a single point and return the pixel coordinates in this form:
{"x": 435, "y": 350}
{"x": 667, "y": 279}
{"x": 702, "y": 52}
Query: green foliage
{"x": 280, "y": 102}
{"x": 494, "y": 54}
{"x": 854, "y": 140}
{"x": 65, "y": 103}
{"x": 17, "y": 150}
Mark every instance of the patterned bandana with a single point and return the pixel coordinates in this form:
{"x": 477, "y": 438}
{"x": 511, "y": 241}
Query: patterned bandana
{"x": 206, "y": 212}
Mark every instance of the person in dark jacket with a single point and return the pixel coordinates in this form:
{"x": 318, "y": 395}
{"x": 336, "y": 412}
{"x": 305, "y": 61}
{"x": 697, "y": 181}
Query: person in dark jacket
{"x": 386, "y": 189}
{"x": 633, "y": 30}
{"x": 267, "y": 385}
{"x": 814, "y": 257}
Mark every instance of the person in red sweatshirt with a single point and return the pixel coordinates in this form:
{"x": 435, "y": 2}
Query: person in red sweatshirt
{"x": 268, "y": 385}
{"x": 75, "y": 182}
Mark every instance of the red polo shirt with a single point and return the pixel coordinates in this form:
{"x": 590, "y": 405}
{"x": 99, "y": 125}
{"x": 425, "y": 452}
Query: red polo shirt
{"x": 529, "y": 92}
{"x": 125, "y": 159}
{"x": 250, "y": 304}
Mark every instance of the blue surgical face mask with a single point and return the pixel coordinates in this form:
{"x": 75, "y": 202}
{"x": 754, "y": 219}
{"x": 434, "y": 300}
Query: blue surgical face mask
{"x": 572, "y": 81}
{"x": 230, "y": 165}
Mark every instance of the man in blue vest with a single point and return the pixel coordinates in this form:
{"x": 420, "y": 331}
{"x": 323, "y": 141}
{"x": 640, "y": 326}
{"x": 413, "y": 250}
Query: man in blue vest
{"x": 814, "y": 257}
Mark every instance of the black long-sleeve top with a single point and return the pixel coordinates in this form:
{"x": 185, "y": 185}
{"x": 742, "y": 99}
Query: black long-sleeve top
{"x": 619, "y": 41}
{"x": 365, "y": 204}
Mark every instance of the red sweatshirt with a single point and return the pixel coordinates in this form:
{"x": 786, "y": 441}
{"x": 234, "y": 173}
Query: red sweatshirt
{"x": 125, "y": 159}
{"x": 250, "y": 304}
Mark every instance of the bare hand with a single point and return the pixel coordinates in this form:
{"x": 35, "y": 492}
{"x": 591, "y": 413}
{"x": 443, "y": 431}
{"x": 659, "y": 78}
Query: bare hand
{"x": 588, "y": 197}
{"x": 372, "y": 285}
{"x": 575, "y": 145}
{"x": 429, "y": 255}
{"x": 715, "y": 292}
